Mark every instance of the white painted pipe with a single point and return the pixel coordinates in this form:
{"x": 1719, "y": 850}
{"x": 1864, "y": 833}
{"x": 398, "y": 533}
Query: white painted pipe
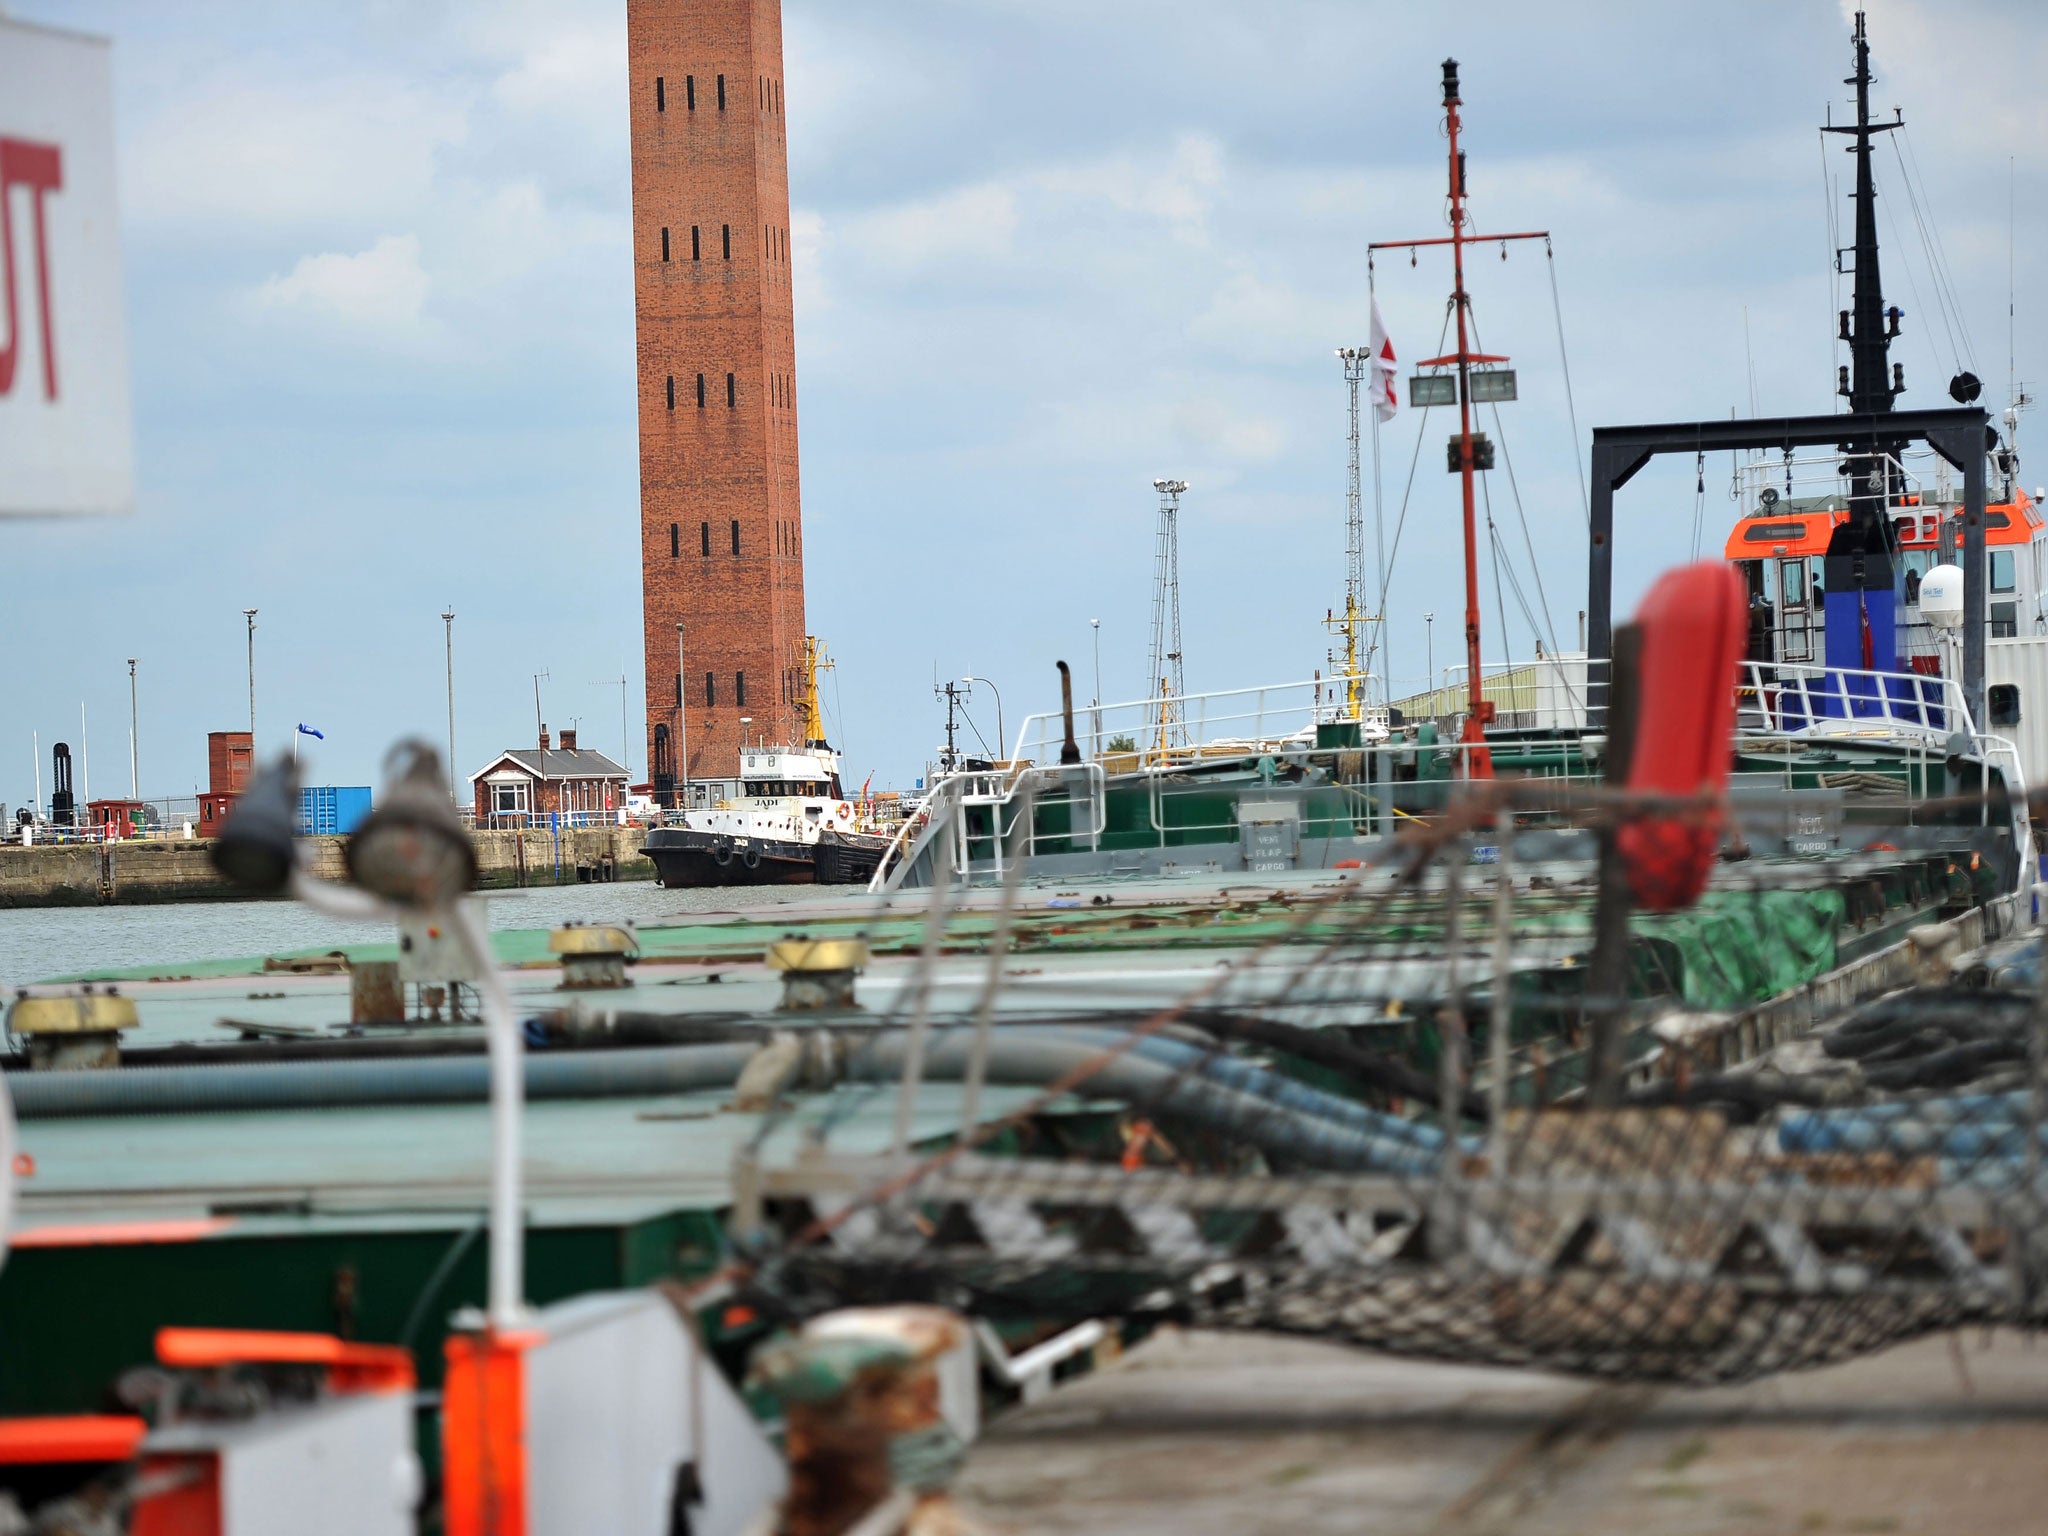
{"x": 505, "y": 1301}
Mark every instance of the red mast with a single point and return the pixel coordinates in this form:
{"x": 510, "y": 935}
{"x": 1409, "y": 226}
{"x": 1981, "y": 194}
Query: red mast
{"x": 1478, "y": 709}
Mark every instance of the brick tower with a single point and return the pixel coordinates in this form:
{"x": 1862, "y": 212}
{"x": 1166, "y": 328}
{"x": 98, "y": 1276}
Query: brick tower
{"x": 721, "y": 529}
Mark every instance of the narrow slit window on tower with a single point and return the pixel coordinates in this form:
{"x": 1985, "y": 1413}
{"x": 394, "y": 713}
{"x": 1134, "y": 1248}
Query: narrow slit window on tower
{"x": 705, "y": 530}
{"x": 727, "y": 229}
{"x": 739, "y": 690}
{"x": 671, "y": 391}
{"x": 710, "y": 689}
{"x": 679, "y": 698}
{"x": 721, "y": 93}
{"x": 732, "y": 397}
{"x": 696, "y": 244}
{"x": 700, "y": 391}
{"x": 675, "y": 541}
{"x": 660, "y": 95}
{"x": 735, "y": 535}
{"x": 664, "y": 242}
{"x": 690, "y": 92}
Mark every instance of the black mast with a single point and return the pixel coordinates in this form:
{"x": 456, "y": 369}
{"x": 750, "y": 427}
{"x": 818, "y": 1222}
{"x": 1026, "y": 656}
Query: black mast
{"x": 1860, "y": 554}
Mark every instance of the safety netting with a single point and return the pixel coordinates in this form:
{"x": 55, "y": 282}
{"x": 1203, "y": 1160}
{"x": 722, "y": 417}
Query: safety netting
{"x": 1464, "y": 1107}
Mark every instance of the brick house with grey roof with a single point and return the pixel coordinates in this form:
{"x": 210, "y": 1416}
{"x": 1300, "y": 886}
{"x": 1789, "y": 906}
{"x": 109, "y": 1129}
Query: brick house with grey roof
{"x": 519, "y": 787}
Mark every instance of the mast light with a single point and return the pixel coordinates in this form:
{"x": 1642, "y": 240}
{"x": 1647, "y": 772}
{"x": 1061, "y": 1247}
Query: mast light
{"x": 1492, "y": 385}
{"x": 1425, "y": 389}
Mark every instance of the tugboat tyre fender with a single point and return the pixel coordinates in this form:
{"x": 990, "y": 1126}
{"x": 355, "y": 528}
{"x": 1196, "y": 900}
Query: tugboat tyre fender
{"x": 751, "y": 858}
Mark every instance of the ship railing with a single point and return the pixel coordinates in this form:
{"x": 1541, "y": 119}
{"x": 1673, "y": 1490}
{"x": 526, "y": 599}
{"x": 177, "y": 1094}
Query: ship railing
{"x": 1796, "y": 699}
{"x": 1181, "y": 729}
{"x": 1007, "y": 794}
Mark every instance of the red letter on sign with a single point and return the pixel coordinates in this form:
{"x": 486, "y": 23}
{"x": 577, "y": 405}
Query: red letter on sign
{"x": 40, "y": 168}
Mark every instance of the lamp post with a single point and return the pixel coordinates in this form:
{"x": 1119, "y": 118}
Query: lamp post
{"x": 250, "y": 615}
{"x": 134, "y": 777}
{"x": 683, "y": 730}
{"x": 1096, "y": 626}
{"x": 992, "y": 688}
{"x": 448, "y": 638}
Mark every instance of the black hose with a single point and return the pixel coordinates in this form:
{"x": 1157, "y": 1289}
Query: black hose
{"x": 1952, "y": 1068}
{"x": 319, "y": 1085}
{"x": 1329, "y": 1048}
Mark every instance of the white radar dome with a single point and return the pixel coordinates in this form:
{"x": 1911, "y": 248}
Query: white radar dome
{"x": 1941, "y": 597}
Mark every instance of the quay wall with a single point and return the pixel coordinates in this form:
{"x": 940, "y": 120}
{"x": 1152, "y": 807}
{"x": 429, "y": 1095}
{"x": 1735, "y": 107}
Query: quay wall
{"x": 177, "y": 869}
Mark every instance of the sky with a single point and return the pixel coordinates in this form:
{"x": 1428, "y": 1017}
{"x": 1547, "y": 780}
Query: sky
{"x": 380, "y": 312}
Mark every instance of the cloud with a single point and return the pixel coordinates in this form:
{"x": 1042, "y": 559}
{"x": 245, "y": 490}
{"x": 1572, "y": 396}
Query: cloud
{"x": 379, "y": 288}
{"x": 976, "y": 223}
{"x": 1229, "y": 431}
{"x": 807, "y": 243}
{"x": 233, "y": 154}
{"x": 575, "y": 71}
{"x": 1179, "y": 194}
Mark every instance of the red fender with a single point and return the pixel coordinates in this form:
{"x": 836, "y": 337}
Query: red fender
{"x": 1691, "y": 626}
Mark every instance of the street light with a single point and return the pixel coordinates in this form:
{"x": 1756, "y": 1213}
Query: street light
{"x": 1096, "y": 625}
{"x": 992, "y": 688}
{"x": 682, "y": 771}
{"x": 134, "y": 777}
{"x": 250, "y": 615}
{"x": 448, "y": 635}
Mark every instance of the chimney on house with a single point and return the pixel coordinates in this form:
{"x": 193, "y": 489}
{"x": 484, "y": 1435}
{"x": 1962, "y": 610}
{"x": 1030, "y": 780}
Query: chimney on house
{"x": 569, "y": 740}
{"x": 543, "y": 738}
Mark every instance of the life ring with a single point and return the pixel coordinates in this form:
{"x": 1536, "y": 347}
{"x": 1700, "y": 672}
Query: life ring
{"x": 845, "y": 811}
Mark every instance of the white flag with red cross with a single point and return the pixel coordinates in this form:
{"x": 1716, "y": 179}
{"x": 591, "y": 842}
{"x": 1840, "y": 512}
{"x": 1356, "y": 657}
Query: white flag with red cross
{"x": 1385, "y": 401}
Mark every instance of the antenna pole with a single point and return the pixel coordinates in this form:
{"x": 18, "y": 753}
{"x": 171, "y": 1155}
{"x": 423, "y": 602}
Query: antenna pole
{"x": 1356, "y": 361}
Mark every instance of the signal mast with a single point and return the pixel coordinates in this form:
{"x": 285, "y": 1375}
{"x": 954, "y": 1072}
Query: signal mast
{"x": 1491, "y": 381}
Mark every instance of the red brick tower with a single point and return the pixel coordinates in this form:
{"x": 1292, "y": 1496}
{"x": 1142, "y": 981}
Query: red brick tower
{"x": 721, "y": 529}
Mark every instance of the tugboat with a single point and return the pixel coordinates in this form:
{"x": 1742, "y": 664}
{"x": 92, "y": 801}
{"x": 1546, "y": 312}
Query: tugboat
{"x": 791, "y": 824}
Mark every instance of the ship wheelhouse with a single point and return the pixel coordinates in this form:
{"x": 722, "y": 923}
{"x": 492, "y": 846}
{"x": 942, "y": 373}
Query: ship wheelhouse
{"x": 1779, "y": 550}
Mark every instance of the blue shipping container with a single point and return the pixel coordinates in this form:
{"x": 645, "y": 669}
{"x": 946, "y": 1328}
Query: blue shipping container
{"x": 332, "y": 810}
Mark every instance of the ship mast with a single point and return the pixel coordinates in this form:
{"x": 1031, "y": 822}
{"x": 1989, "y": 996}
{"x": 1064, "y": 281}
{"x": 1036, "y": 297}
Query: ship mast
{"x": 1861, "y": 552}
{"x": 1469, "y": 451}
{"x": 812, "y": 732}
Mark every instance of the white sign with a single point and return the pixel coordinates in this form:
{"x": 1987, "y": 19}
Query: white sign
{"x": 66, "y": 441}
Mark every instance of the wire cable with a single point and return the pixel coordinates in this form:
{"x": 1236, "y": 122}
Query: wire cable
{"x": 1570, "y": 406}
{"x": 1407, "y": 490}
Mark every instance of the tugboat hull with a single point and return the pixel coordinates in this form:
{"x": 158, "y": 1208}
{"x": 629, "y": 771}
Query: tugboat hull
{"x": 684, "y": 858}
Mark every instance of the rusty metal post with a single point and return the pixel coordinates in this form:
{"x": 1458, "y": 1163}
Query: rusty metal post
{"x": 869, "y": 1444}
{"x": 1501, "y": 1017}
{"x": 1607, "y": 974}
